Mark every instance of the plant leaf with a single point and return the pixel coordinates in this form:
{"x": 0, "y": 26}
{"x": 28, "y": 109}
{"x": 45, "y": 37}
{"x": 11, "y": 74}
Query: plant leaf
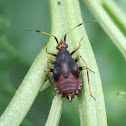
{"x": 69, "y": 15}
{"x": 107, "y": 24}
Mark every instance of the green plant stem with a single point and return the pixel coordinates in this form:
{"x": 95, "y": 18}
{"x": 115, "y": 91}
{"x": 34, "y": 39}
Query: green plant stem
{"x": 55, "y": 111}
{"x": 45, "y": 85}
{"x": 91, "y": 112}
{"x": 29, "y": 88}
{"x": 108, "y": 25}
{"x": 116, "y": 13}
{"x": 26, "y": 93}
{"x": 33, "y": 81}
{"x": 65, "y": 16}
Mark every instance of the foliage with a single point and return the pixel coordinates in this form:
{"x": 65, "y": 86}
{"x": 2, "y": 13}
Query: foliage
{"x": 18, "y": 50}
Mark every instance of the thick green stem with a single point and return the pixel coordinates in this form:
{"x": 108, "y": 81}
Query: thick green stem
{"x": 91, "y": 112}
{"x": 116, "y": 13}
{"x": 32, "y": 83}
{"x": 107, "y": 24}
{"x": 26, "y": 93}
{"x": 66, "y": 14}
{"x": 29, "y": 88}
{"x": 55, "y": 111}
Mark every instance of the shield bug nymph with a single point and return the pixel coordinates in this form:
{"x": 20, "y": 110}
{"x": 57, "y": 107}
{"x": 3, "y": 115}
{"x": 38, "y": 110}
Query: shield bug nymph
{"x": 66, "y": 72}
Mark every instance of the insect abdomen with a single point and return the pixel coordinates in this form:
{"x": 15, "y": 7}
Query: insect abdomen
{"x": 69, "y": 86}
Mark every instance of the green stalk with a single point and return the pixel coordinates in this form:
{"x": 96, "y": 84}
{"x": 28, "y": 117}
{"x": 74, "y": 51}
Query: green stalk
{"x": 116, "y": 13}
{"x": 26, "y": 93}
{"x": 55, "y": 112}
{"x": 65, "y": 14}
{"x": 32, "y": 83}
{"x": 45, "y": 85}
{"x": 108, "y": 25}
{"x": 91, "y": 112}
{"x": 30, "y": 86}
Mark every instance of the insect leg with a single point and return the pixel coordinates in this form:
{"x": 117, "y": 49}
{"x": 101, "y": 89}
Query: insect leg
{"x": 84, "y": 63}
{"x": 83, "y": 68}
{"x": 77, "y": 47}
{"x": 51, "y": 62}
{"x": 51, "y": 53}
{"x": 49, "y": 70}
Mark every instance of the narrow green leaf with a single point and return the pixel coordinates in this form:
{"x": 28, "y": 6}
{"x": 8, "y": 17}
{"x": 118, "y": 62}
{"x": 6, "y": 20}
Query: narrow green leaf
{"x": 108, "y": 25}
{"x": 116, "y": 13}
{"x": 65, "y": 15}
{"x": 55, "y": 111}
{"x": 45, "y": 85}
{"x": 69, "y": 15}
{"x": 122, "y": 97}
{"x": 26, "y": 93}
{"x": 33, "y": 81}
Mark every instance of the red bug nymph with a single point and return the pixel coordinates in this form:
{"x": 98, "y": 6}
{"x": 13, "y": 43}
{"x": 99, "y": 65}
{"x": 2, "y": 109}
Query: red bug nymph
{"x": 66, "y": 73}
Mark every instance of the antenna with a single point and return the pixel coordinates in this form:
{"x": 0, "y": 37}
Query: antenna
{"x": 76, "y": 27}
{"x": 45, "y": 33}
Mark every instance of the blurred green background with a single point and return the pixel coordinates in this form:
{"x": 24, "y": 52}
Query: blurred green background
{"x": 18, "y": 50}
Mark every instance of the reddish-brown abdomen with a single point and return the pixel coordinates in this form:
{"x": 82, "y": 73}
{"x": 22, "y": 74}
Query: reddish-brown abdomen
{"x": 68, "y": 86}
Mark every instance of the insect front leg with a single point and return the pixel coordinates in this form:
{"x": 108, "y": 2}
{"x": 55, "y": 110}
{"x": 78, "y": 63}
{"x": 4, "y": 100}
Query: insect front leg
{"x": 83, "y": 68}
{"x": 51, "y": 53}
{"x": 77, "y": 47}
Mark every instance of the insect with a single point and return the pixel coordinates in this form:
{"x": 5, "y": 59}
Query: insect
{"x": 66, "y": 72}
